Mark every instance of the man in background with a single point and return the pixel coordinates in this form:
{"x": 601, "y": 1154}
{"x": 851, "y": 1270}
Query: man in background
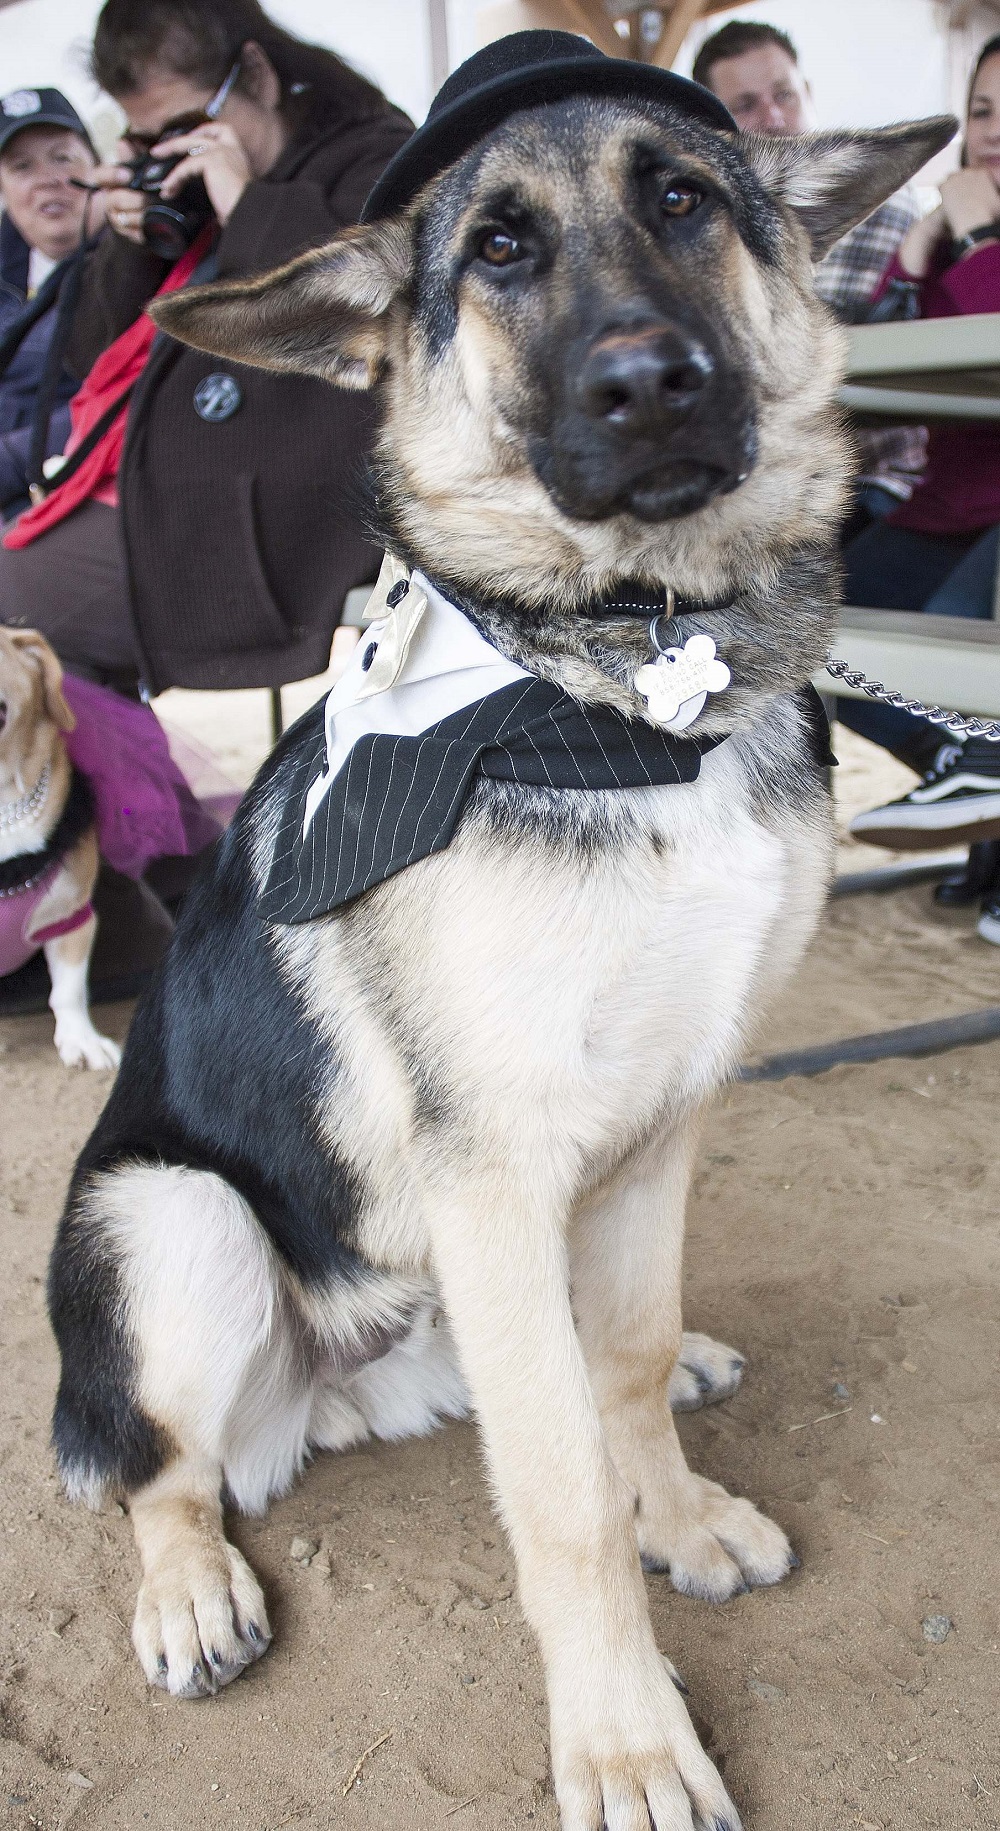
{"x": 44, "y": 147}
{"x": 754, "y": 69}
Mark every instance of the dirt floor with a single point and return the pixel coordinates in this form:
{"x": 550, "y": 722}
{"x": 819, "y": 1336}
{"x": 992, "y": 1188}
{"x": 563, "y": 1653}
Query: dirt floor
{"x": 841, "y": 1234}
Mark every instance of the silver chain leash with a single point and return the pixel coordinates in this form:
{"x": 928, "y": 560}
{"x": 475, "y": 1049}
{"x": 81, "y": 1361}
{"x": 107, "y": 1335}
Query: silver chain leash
{"x": 935, "y": 715}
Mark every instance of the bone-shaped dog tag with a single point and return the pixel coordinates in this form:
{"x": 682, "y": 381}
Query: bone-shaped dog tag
{"x": 676, "y": 685}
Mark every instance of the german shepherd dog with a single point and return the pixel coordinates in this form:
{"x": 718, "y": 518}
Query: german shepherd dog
{"x": 431, "y": 1150}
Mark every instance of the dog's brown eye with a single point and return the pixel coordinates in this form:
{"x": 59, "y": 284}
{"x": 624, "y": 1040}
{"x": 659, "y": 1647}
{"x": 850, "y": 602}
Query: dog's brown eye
{"x": 676, "y": 200}
{"x": 500, "y": 249}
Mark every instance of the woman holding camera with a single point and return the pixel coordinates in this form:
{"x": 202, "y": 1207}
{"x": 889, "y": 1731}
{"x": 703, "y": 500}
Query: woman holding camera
{"x": 207, "y": 526}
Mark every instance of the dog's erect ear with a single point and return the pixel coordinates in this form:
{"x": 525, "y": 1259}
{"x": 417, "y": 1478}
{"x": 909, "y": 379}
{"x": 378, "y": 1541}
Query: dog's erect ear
{"x": 34, "y": 646}
{"x": 833, "y": 180}
{"x": 324, "y": 314}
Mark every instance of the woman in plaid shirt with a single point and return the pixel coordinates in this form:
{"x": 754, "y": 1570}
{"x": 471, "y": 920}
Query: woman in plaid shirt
{"x": 930, "y": 543}
{"x": 754, "y": 69}
{"x": 937, "y": 552}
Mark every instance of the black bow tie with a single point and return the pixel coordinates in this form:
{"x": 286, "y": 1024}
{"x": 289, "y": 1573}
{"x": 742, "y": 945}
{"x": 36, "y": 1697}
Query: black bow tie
{"x": 398, "y": 799}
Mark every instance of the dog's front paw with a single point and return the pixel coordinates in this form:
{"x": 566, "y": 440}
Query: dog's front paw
{"x": 200, "y": 1619}
{"x": 706, "y": 1373}
{"x": 81, "y": 1046}
{"x": 651, "y": 1774}
{"x": 715, "y": 1546}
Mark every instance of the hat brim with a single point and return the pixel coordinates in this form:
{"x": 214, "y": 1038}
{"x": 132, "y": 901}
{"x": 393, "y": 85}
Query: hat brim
{"x": 463, "y": 123}
{"x": 12, "y": 128}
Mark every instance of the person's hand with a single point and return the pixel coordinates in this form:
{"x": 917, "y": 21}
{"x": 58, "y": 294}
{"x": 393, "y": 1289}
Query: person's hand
{"x": 215, "y": 154}
{"x": 123, "y": 208}
{"x": 970, "y": 200}
{"x": 918, "y": 244}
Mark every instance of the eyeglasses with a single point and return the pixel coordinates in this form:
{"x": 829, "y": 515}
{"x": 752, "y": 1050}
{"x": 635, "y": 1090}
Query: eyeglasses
{"x": 185, "y": 123}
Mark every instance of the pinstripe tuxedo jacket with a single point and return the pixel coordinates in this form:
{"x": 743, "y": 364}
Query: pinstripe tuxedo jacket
{"x": 426, "y": 704}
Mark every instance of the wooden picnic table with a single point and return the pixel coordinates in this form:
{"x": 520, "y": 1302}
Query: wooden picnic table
{"x": 919, "y": 372}
{"x": 928, "y": 369}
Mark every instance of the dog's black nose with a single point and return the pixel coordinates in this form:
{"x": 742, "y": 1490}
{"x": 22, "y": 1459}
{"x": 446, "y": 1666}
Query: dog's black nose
{"x": 643, "y": 378}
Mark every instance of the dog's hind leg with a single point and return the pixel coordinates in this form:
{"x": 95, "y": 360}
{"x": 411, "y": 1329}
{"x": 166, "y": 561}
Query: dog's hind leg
{"x": 705, "y": 1373}
{"x": 183, "y": 1377}
{"x": 627, "y": 1246}
{"x": 200, "y": 1616}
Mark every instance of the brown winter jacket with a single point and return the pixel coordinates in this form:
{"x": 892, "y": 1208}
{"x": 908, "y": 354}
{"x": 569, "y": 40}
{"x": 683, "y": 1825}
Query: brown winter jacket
{"x": 242, "y": 534}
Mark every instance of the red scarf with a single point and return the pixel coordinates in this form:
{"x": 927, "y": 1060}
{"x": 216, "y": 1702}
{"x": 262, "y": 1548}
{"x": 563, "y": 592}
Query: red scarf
{"x": 116, "y": 369}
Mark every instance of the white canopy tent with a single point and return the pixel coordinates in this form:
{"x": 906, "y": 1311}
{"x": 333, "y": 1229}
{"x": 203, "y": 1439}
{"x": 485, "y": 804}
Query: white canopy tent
{"x": 867, "y": 62}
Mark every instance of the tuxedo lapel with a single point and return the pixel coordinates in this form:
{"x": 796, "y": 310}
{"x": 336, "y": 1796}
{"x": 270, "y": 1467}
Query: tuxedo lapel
{"x": 426, "y": 705}
{"x": 398, "y": 798}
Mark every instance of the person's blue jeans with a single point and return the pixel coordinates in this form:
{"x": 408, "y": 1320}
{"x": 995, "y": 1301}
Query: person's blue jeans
{"x": 969, "y": 590}
{"x": 948, "y": 575}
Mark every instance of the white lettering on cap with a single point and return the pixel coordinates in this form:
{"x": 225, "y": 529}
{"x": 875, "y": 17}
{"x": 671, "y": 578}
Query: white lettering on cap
{"x": 21, "y": 102}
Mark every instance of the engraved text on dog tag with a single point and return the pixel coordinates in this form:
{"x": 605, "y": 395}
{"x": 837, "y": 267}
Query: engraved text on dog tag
{"x": 677, "y": 684}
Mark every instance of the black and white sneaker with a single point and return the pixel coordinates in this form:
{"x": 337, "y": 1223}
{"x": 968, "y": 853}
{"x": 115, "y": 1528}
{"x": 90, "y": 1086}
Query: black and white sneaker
{"x": 958, "y": 802}
{"x": 988, "y": 924}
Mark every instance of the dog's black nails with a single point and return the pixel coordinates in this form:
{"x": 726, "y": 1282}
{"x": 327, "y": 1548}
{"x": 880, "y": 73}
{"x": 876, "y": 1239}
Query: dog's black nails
{"x": 794, "y": 1562}
{"x": 216, "y": 1657}
{"x": 254, "y": 1633}
{"x": 161, "y": 1662}
{"x": 685, "y": 1690}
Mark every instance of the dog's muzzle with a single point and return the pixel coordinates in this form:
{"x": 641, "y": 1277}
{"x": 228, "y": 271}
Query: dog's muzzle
{"x": 654, "y": 426}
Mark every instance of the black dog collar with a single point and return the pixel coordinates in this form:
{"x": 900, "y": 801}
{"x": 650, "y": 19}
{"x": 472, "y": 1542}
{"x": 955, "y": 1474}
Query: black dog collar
{"x": 633, "y": 599}
{"x": 28, "y": 868}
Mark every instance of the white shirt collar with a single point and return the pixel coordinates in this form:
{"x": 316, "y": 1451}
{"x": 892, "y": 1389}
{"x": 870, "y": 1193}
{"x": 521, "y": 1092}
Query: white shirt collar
{"x": 39, "y": 268}
{"x": 425, "y": 660}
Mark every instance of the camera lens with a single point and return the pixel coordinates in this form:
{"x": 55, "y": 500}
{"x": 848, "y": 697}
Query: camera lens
{"x": 170, "y": 227}
{"x": 169, "y": 232}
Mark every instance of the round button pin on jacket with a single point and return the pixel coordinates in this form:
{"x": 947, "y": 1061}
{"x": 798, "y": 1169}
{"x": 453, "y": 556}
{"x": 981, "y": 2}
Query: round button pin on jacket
{"x": 217, "y": 397}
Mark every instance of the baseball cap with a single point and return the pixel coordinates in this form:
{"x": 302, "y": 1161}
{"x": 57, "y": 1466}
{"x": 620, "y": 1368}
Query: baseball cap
{"x": 38, "y": 108}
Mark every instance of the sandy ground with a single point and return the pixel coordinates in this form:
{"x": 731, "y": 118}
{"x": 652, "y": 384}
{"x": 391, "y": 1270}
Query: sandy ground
{"x": 842, "y": 1232}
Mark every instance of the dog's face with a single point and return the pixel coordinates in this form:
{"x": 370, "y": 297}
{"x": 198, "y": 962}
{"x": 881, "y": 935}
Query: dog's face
{"x": 580, "y": 277}
{"x": 600, "y": 351}
{"x": 30, "y": 692}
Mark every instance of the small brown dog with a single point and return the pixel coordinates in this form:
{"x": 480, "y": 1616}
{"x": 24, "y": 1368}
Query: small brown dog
{"x": 48, "y": 845}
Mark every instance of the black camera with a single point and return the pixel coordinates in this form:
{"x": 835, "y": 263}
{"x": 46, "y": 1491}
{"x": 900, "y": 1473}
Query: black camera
{"x": 169, "y": 228}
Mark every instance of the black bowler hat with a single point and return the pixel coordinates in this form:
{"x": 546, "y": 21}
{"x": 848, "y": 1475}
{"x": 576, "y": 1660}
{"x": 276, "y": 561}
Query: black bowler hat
{"x": 38, "y": 108}
{"x": 523, "y": 71}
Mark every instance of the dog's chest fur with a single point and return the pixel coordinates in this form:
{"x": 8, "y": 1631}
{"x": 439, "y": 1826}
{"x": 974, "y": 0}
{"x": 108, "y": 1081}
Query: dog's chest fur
{"x": 563, "y": 980}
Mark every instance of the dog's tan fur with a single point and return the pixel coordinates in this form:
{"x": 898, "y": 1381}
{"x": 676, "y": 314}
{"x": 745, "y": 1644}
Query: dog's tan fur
{"x": 36, "y": 715}
{"x": 525, "y": 1025}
